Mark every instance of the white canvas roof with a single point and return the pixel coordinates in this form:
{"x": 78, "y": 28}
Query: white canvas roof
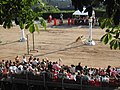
{"x": 77, "y": 12}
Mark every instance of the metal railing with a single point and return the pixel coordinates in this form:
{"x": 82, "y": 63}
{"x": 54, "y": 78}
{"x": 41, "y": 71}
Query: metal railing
{"x": 45, "y": 82}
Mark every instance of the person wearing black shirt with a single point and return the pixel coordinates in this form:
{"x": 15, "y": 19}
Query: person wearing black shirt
{"x": 79, "y": 67}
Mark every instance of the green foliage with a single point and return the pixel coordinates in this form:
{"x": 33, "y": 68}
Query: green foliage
{"x": 36, "y": 28}
{"x": 106, "y": 38}
{"x": 32, "y": 28}
{"x": 111, "y": 23}
{"x": 112, "y": 36}
{"x": 51, "y": 9}
{"x": 42, "y": 22}
{"x": 21, "y": 24}
{"x": 45, "y": 8}
{"x": 115, "y": 43}
{"x": 108, "y": 23}
{"x": 21, "y": 12}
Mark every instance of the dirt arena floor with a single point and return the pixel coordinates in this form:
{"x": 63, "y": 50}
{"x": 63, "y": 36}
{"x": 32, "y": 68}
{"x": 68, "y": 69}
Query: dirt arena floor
{"x": 58, "y": 42}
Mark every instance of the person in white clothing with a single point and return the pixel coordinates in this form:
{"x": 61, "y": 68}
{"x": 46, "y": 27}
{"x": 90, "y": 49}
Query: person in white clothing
{"x": 24, "y": 60}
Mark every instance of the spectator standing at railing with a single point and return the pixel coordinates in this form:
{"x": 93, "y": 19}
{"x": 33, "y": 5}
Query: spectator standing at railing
{"x": 30, "y": 59}
{"x": 92, "y": 81}
{"x": 68, "y": 74}
{"x": 56, "y": 66}
{"x": 43, "y": 64}
{"x": 3, "y": 63}
{"x": 86, "y": 69}
{"x": 61, "y": 74}
{"x": 11, "y": 69}
{"x": 15, "y": 69}
{"x": 47, "y": 62}
{"x": 17, "y": 59}
{"x": 24, "y": 60}
{"x": 50, "y": 66}
{"x": 34, "y": 62}
{"x": 73, "y": 76}
{"x": 91, "y": 71}
{"x": 7, "y": 64}
{"x": 72, "y": 68}
{"x": 105, "y": 78}
{"x": 86, "y": 78}
{"x": 38, "y": 61}
{"x": 79, "y": 67}
{"x": 55, "y": 74}
{"x": 108, "y": 70}
{"x": 0, "y": 68}
{"x": 5, "y": 72}
{"x": 97, "y": 80}
{"x": 115, "y": 74}
{"x": 102, "y": 73}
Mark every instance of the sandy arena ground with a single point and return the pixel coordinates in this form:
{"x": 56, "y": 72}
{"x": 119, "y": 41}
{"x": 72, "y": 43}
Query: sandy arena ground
{"x": 57, "y": 42}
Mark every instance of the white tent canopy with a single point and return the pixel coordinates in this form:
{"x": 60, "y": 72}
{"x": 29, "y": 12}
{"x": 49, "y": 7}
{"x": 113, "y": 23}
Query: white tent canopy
{"x": 77, "y": 12}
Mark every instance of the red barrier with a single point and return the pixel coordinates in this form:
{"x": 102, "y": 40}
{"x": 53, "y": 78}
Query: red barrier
{"x": 55, "y": 21}
{"x": 68, "y": 21}
{"x": 72, "y": 21}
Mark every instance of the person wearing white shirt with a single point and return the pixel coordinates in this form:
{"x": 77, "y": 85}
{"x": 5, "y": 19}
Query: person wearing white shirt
{"x": 20, "y": 67}
{"x": 34, "y": 62}
{"x": 24, "y": 60}
{"x": 73, "y": 76}
{"x": 15, "y": 69}
{"x": 11, "y": 69}
{"x": 72, "y": 68}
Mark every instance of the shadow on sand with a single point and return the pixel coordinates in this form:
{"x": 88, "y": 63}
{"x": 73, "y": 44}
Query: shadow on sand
{"x": 64, "y": 49}
{"x": 6, "y": 43}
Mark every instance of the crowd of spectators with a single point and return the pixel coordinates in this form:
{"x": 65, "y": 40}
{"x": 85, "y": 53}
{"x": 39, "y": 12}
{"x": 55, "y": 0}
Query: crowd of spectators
{"x": 57, "y": 70}
{"x": 85, "y": 20}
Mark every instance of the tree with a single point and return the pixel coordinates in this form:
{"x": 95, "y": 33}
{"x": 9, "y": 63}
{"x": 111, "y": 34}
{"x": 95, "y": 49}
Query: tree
{"x": 21, "y": 12}
{"x": 111, "y": 23}
{"x": 45, "y": 8}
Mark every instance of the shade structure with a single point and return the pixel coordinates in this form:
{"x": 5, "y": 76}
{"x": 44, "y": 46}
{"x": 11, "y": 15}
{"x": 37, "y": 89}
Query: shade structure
{"x": 77, "y": 12}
